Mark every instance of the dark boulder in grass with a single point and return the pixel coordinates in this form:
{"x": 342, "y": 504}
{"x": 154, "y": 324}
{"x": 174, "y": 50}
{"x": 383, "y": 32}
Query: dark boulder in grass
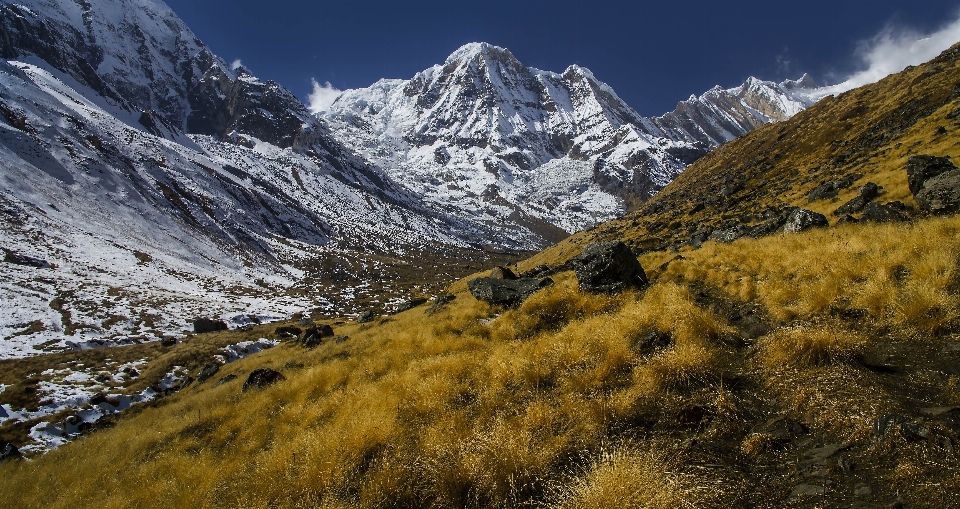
{"x": 8, "y": 451}
{"x": 207, "y": 371}
{"x": 878, "y": 213}
{"x": 201, "y": 325}
{"x": 439, "y": 302}
{"x": 261, "y": 378}
{"x": 506, "y": 292}
{"x": 410, "y": 304}
{"x": 867, "y": 193}
{"x": 314, "y": 335}
{"x": 940, "y": 194}
{"x": 802, "y": 219}
{"x": 608, "y": 267}
{"x": 288, "y": 331}
{"x": 365, "y": 316}
{"x": 922, "y": 168}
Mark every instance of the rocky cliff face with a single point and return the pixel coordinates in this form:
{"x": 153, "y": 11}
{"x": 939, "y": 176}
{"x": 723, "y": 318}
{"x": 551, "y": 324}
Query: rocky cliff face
{"x": 499, "y": 139}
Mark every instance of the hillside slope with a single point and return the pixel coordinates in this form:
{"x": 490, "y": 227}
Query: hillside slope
{"x": 811, "y": 369}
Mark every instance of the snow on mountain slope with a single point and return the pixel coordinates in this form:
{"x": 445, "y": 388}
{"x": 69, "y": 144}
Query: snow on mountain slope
{"x": 476, "y": 134}
{"x": 141, "y": 226}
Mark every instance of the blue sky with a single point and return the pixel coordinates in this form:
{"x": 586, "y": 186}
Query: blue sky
{"x": 653, "y": 54}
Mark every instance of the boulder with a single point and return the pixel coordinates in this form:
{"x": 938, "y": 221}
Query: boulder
{"x": 314, "y": 335}
{"x": 824, "y": 191}
{"x": 500, "y": 272}
{"x": 410, "y": 304}
{"x": 923, "y": 168}
{"x": 768, "y": 227}
{"x": 802, "y": 219}
{"x": 940, "y": 194}
{"x": 607, "y": 267}
{"x": 207, "y": 371}
{"x": 202, "y": 325}
{"x": 365, "y": 316}
{"x": 288, "y": 331}
{"x": 8, "y": 451}
{"x": 867, "y": 193}
{"x": 539, "y": 271}
{"x": 439, "y": 302}
{"x": 878, "y": 213}
{"x": 261, "y": 378}
{"x": 506, "y": 292}
{"x": 20, "y": 259}
{"x": 730, "y": 234}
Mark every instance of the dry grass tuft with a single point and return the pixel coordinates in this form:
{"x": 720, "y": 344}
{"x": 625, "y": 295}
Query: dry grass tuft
{"x": 628, "y": 476}
{"x": 805, "y": 346}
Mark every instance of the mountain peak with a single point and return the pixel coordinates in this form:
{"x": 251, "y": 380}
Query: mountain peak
{"x": 472, "y": 49}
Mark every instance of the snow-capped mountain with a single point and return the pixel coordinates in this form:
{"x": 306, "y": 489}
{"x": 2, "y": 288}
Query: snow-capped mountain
{"x": 486, "y": 137}
{"x": 158, "y": 184}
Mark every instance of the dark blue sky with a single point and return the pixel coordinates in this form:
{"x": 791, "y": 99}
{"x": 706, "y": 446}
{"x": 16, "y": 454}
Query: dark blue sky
{"x": 653, "y": 53}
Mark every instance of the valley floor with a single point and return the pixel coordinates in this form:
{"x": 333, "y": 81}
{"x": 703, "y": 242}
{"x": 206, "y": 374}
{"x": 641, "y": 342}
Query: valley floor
{"x": 818, "y": 369}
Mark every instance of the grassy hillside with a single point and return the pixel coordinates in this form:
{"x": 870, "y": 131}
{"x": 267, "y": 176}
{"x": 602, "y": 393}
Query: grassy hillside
{"x": 819, "y": 369}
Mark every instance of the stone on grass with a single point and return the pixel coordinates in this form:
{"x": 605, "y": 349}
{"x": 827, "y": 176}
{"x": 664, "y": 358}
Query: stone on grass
{"x": 261, "y": 378}
{"x": 608, "y": 267}
{"x": 506, "y": 292}
{"x": 940, "y": 194}
{"x": 802, "y": 219}
{"x": 923, "y": 168}
{"x": 202, "y": 325}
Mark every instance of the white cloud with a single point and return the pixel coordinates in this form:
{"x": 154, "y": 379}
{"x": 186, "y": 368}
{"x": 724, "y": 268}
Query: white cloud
{"x": 235, "y": 65}
{"x": 322, "y": 96}
{"x": 893, "y": 50}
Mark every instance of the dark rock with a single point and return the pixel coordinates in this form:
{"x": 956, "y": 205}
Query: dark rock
{"x": 365, "y": 316}
{"x": 170, "y": 341}
{"x": 784, "y": 428}
{"x": 207, "y": 371}
{"x": 201, "y": 325}
{"x": 940, "y": 194}
{"x": 730, "y": 234}
{"x": 878, "y": 213}
{"x": 653, "y": 342}
{"x": 824, "y": 191}
{"x": 506, "y": 292}
{"x": 867, "y": 193}
{"x": 848, "y": 180}
{"x": 288, "y": 331}
{"x": 539, "y": 271}
{"x": 19, "y": 259}
{"x": 607, "y": 267}
{"x": 305, "y": 323}
{"x": 499, "y": 272}
{"x": 262, "y": 377}
{"x": 923, "y": 168}
{"x": 185, "y": 383}
{"x": 846, "y": 218}
{"x": 940, "y": 131}
{"x": 886, "y": 423}
{"x": 314, "y": 335}
{"x": 912, "y": 431}
{"x": 225, "y": 379}
{"x": 768, "y": 227}
{"x": 340, "y": 339}
{"x": 8, "y": 451}
{"x": 802, "y": 219}
{"x": 410, "y": 304}
{"x": 439, "y": 302}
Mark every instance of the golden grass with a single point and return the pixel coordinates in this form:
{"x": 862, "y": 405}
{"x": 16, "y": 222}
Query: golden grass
{"x": 480, "y": 407}
{"x": 629, "y": 477}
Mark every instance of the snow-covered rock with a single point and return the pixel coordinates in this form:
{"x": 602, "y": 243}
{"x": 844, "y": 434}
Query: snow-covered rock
{"x": 486, "y": 137}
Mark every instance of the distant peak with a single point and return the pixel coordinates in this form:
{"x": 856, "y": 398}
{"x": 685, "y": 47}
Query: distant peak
{"x": 473, "y": 49}
{"x": 805, "y": 81}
